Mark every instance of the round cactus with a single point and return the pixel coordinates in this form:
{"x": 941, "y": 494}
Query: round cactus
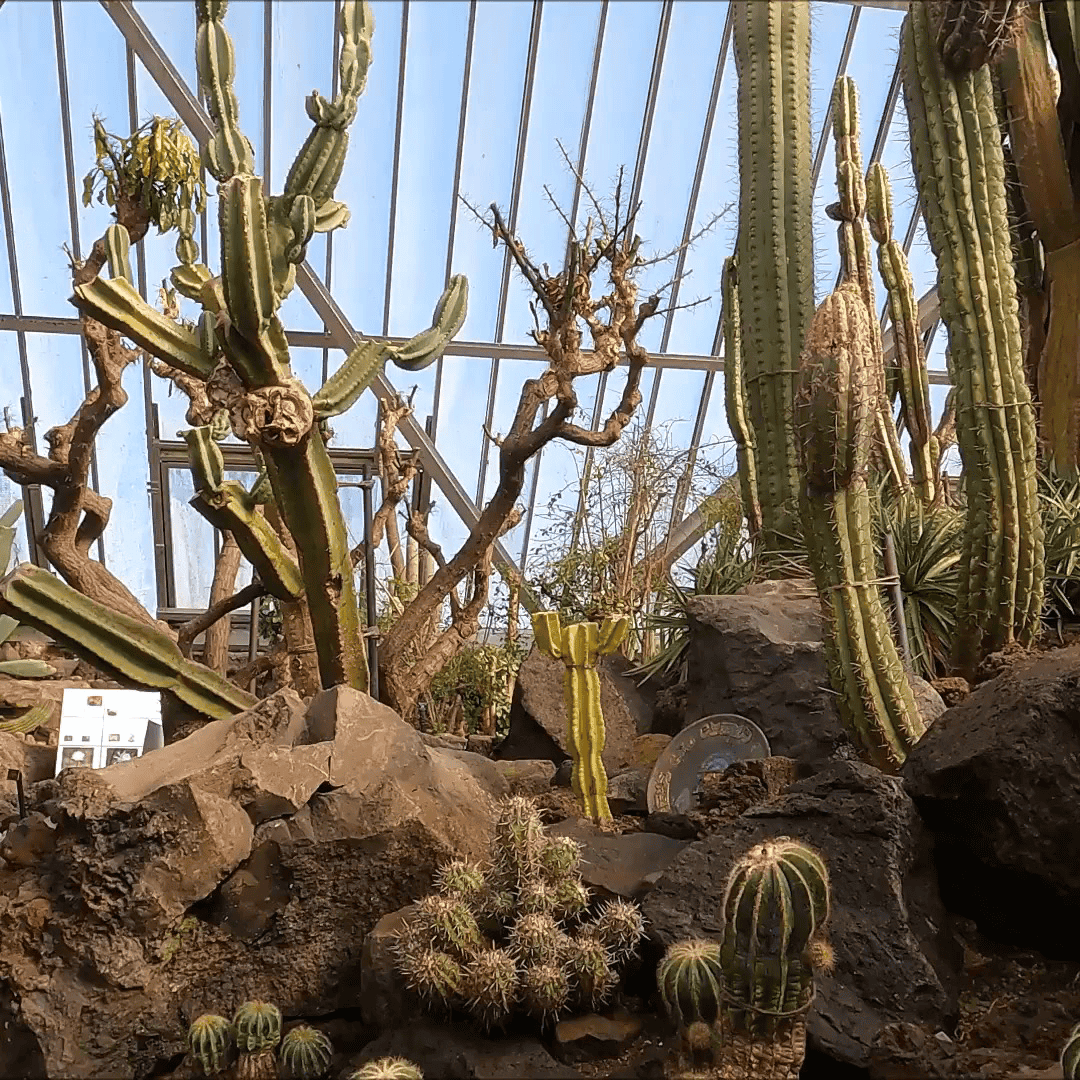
{"x": 210, "y": 1038}
{"x": 537, "y": 939}
{"x": 591, "y": 970}
{"x": 462, "y": 879}
{"x": 536, "y": 898}
{"x": 496, "y": 905}
{"x": 559, "y": 857}
{"x": 570, "y": 899}
{"x": 388, "y": 1068}
{"x": 545, "y": 989}
{"x": 306, "y": 1053}
{"x": 433, "y": 974}
{"x": 620, "y": 927}
{"x": 690, "y": 979}
{"x": 1070, "y": 1055}
{"x": 449, "y": 924}
{"x": 491, "y": 986}
{"x": 258, "y": 1027}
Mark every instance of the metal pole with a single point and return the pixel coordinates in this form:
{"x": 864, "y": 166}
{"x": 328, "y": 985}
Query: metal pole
{"x": 369, "y": 589}
{"x": 893, "y": 574}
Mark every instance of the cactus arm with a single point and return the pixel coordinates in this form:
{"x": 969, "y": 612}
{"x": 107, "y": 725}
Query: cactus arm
{"x": 126, "y": 648}
{"x": 117, "y": 248}
{"x": 775, "y": 244}
{"x": 7, "y": 532}
{"x": 742, "y": 431}
{"x": 26, "y": 669}
{"x": 548, "y": 633}
{"x": 229, "y": 507}
{"x": 117, "y": 303}
{"x": 228, "y": 153}
{"x": 959, "y": 166}
{"x": 342, "y": 390}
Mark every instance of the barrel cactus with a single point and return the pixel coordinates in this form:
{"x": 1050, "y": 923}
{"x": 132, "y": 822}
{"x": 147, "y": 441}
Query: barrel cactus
{"x": 1070, "y": 1055}
{"x": 210, "y": 1042}
{"x": 257, "y": 1026}
{"x": 306, "y": 1053}
{"x": 690, "y": 979}
{"x": 775, "y": 908}
{"x": 388, "y": 1068}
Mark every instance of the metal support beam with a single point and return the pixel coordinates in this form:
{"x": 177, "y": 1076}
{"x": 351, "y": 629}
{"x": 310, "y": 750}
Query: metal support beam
{"x": 197, "y": 121}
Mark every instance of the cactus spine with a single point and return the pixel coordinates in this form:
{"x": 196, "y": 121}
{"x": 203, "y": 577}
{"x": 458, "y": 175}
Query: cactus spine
{"x": 742, "y": 431}
{"x": 775, "y": 907}
{"x": 239, "y": 347}
{"x": 775, "y": 244}
{"x": 579, "y": 645}
{"x": 959, "y": 164}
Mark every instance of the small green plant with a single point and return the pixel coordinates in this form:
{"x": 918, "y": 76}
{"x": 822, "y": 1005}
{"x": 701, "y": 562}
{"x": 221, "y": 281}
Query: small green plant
{"x": 482, "y": 677}
{"x": 306, "y": 1053}
{"x": 388, "y": 1069}
{"x": 515, "y": 932}
{"x": 1070, "y": 1055}
{"x": 210, "y": 1042}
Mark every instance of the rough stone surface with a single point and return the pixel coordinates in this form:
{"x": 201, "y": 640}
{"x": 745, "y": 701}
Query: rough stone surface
{"x": 997, "y": 780}
{"x": 454, "y": 1053}
{"x": 538, "y": 723}
{"x": 930, "y": 702}
{"x": 526, "y": 776}
{"x": 34, "y": 760}
{"x": 894, "y": 960}
{"x": 628, "y": 792}
{"x": 246, "y": 861}
{"x": 759, "y": 654}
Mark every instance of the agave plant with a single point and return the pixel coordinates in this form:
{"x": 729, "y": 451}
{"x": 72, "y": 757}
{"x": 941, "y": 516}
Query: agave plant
{"x": 1060, "y": 501}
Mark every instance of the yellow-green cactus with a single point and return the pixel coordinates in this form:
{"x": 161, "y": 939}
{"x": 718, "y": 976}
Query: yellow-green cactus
{"x": 579, "y": 646}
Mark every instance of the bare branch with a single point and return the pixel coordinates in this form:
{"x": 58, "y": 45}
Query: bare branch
{"x": 194, "y": 627}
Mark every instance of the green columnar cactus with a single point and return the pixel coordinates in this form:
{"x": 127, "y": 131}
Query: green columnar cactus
{"x": 775, "y": 244}
{"x": 971, "y": 33}
{"x": 579, "y": 646}
{"x": 775, "y": 907}
{"x": 306, "y": 1053}
{"x": 210, "y": 1042}
{"x": 914, "y": 382}
{"x": 742, "y": 431}
{"x": 388, "y": 1069}
{"x": 850, "y": 211}
{"x": 833, "y": 419}
{"x": 1070, "y": 1055}
{"x": 239, "y": 348}
{"x": 959, "y": 165}
{"x": 128, "y": 649}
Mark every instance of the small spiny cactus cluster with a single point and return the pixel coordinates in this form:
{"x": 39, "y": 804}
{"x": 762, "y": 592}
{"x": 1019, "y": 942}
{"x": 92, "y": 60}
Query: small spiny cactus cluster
{"x": 740, "y": 1004}
{"x": 253, "y": 1038}
{"x": 515, "y": 933}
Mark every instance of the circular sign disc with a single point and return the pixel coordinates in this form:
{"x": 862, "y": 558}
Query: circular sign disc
{"x": 710, "y": 744}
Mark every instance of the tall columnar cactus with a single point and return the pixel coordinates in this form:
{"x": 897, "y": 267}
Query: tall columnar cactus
{"x": 579, "y": 646}
{"x": 834, "y": 423}
{"x": 959, "y": 164}
{"x": 238, "y": 345}
{"x": 742, "y": 431}
{"x": 775, "y": 907}
{"x": 914, "y": 382}
{"x": 775, "y": 244}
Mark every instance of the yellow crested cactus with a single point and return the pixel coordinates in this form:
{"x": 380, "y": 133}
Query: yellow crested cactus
{"x": 579, "y": 646}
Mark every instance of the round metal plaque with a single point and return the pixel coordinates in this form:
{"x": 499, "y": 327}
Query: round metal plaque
{"x": 709, "y": 745}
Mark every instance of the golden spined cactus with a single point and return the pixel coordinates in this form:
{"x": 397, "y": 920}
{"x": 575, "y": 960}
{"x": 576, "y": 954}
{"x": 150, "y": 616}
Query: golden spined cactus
{"x": 579, "y": 646}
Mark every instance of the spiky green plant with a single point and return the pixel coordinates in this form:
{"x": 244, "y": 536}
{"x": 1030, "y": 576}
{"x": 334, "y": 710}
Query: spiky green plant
{"x": 775, "y": 908}
{"x": 210, "y": 1042}
{"x": 389, "y": 1068}
{"x": 1070, "y": 1055}
{"x": 258, "y": 1027}
{"x": 239, "y": 348}
{"x": 620, "y": 926}
{"x": 491, "y": 986}
{"x": 305, "y": 1053}
{"x": 689, "y": 979}
{"x": 957, "y": 153}
{"x": 579, "y": 646}
{"x": 775, "y": 245}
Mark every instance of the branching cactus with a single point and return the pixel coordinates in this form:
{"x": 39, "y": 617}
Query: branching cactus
{"x": 514, "y": 933}
{"x": 238, "y": 347}
{"x": 775, "y": 907}
{"x": 579, "y": 646}
{"x": 959, "y": 164}
{"x": 1070, "y": 1055}
{"x": 775, "y": 246}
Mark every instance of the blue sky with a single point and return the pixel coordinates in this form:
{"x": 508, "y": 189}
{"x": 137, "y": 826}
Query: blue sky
{"x": 301, "y": 60}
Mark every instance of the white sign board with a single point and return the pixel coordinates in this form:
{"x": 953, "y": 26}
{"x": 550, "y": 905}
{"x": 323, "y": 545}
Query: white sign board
{"x": 107, "y": 727}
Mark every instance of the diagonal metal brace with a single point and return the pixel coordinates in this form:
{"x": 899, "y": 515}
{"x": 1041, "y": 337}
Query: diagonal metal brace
{"x": 197, "y": 120}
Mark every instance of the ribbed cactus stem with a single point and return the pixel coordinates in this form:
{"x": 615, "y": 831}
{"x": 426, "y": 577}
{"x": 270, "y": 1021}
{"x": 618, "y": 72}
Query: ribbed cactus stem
{"x": 775, "y": 907}
{"x": 775, "y": 245}
{"x": 742, "y": 431}
{"x": 579, "y": 646}
{"x": 834, "y": 412}
{"x": 914, "y": 381}
{"x": 959, "y": 165}
{"x": 1070, "y": 1055}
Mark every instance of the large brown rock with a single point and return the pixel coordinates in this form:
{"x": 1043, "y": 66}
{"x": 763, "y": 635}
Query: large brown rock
{"x": 538, "y": 722}
{"x": 248, "y": 860}
{"x": 997, "y": 780}
{"x": 894, "y": 960}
